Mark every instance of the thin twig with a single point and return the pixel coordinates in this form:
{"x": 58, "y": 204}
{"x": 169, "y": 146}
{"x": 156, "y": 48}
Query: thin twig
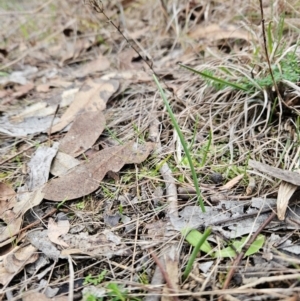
{"x": 71, "y": 282}
{"x": 242, "y": 253}
{"x": 165, "y": 275}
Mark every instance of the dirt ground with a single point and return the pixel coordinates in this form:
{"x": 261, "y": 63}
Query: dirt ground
{"x": 149, "y": 150}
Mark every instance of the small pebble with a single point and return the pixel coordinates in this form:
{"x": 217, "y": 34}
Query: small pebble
{"x": 216, "y": 177}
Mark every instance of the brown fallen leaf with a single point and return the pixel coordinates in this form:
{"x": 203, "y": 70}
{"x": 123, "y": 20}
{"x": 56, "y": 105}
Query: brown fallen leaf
{"x": 85, "y": 130}
{"x": 13, "y": 262}
{"x": 285, "y": 192}
{"x": 251, "y": 186}
{"x": 128, "y": 59}
{"x": 285, "y": 175}
{"x": 72, "y": 50}
{"x": 85, "y": 178}
{"x": 92, "y": 96}
{"x": 62, "y": 163}
{"x": 10, "y": 226}
{"x": 101, "y": 244}
{"x": 172, "y": 263}
{"x": 231, "y": 183}
{"x": 217, "y": 32}
{"x": 37, "y": 109}
{"x": 23, "y": 90}
{"x": 7, "y": 198}
{"x": 99, "y": 64}
{"x": 57, "y": 229}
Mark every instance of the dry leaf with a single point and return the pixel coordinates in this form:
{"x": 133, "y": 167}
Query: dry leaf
{"x": 14, "y": 262}
{"x": 171, "y": 263}
{"x": 23, "y": 90}
{"x": 92, "y": 96}
{"x": 285, "y": 192}
{"x": 41, "y": 241}
{"x": 83, "y": 133}
{"x": 7, "y": 198}
{"x": 217, "y": 32}
{"x": 39, "y": 167}
{"x": 30, "y": 194}
{"x": 285, "y": 175}
{"x": 231, "y": 183}
{"x": 9, "y": 227}
{"x": 100, "y": 64}
{"x": 85, "y": 178}
{"x": 102, "y": 244}
{"x": 32, "y": 125}
{"x": 75, "y": 47}
{"x": 57, "y": 229}
{"x": 251, "y": 186}
{"x": 62, "y": 163}
{"x": 38, "y": 109}
{"x": 127, "y": 60}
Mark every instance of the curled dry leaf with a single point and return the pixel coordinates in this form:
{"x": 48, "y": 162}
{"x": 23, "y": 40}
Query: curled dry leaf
{"x": 29, "y": 195}
{"x": 39, "y": 167}
{"x": 85, "y": 178}
{"x": 11, "y": 221}
{"x": 83, "y": 133}
{"x": 251, "y": 186}
{"x": 92, "y": 96}
{"x": 7, "y": 198}
{"x": 14, "y": 262}
{"x": 285, "y": 192}
{"x": 232, "y": 182}
{"x": 57, "y": 229}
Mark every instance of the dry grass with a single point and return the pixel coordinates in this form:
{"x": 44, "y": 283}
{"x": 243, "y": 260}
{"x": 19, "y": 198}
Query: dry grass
{"x": 242, "y": 125}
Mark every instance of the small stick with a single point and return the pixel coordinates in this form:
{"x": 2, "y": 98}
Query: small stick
{"x": 165, "y": 275}
{"x": 241, "y": 255}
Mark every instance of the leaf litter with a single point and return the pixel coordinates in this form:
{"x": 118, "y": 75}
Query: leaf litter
{"x": 65, "y": 206}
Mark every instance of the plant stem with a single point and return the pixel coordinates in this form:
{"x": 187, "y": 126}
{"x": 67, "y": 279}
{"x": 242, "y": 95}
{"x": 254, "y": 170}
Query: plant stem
{"x": 184, "y": 145}
{"x": 195, "y": 252}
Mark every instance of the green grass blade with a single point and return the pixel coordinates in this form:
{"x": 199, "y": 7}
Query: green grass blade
{"x": 184, "y": 144}
{"x": 270, "y": 38}
{"x": 193, "y": 236}
{"x": 206, "y": 151}
{"x": 216, "y": 79}
{"x": 195, "y": 253}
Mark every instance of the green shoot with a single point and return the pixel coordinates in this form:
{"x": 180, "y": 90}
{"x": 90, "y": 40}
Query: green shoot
{"x": 238, "y": 245}
{"x": 95, "y": 280}
{"x": 195, "y": 253}
{"x": 118, "y": 293}
{"x": 182, "y": 140}
{"x": 61, "y": 203}
{"x": 206, "y": 151}
{"x": 220, "y": 81}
